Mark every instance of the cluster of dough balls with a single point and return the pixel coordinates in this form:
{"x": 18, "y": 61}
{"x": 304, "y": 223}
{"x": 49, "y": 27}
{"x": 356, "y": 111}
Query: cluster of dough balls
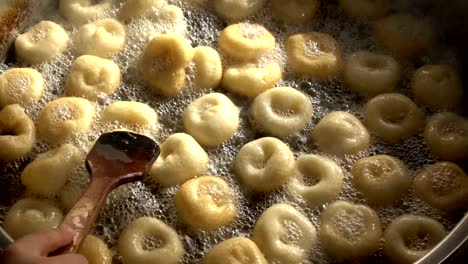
{"x": 264, "y": 164}
{"x": 31, "y": 215}
{"x": 238, "y": 250}
{"x": 23, "y": 86}
{"x": 47, "y": 174}
{"x": 329, "y": 178}
{"x": 132, "y": 248}
{"x": 163, "y": 62}
{"x": 17, "y": 132}
{"x": 42, "y": 42}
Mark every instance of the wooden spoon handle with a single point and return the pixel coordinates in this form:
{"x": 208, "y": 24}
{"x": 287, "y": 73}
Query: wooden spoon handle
{"x": 84, "y": 213}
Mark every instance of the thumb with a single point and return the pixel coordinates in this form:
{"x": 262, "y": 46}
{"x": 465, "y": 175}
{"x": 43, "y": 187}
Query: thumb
{"x": 47, "y": 241}
{"x": 67, "y": 258}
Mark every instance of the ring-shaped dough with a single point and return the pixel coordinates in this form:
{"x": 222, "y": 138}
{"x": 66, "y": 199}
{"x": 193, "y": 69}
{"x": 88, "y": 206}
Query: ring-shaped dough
{"x": 349, "y": 232}
{"x": 17, "y": 132}
{"x": 64, "y": 118}
{"x": 264, "y": 164}
{"x": 211, "y": 119}
{"x": 237, "y": 9}
{"x": 82, "y": 11}
{"x": 281, "y": 111}
{"x": 383, "y": 179}
{"x": 407, "y": 228}
{"x": 403, "y": 34}
{"x": 137, "y": 8}
{"x": 314, "y": 54}
{"x": 437, "y": 86}
{"x": 237, "y": 250}
{"x": 103, "y": 38}
{"x": 91, "y": 77}
{"x": 446, "y": 135}
{"x": 131, "y": 244}
{"x": 370, "y": 74}
{"x": 42, "y": 42}
{"x": 181, "y": 159}
{"x": 284, "y": 234}
{"x": 294, "y": 11}
{"x": 130, "y": 114}
{"x": 206, "y": 203}
{"x": 246, "y": 41}
{"x": 47, "y": 174}
{"x": 31, "y": 215}
{"x": 393, "y": 117}
{"x": 95, "y": 251}
{"x": 251, "y": 81}
{"x": 208, "y": 67}
{"x": 365, "y": 8}
{"x": 341, "y": 133}
{"x": 329, "y": 178}
{"x": 443, "y": 185}
{"x": 21, "y": 86}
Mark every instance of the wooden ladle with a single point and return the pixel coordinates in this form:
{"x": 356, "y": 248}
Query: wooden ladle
{"x": 116, "y": 158}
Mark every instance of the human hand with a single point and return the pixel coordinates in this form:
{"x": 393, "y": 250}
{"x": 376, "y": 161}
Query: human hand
{"x": 35, "y": 248}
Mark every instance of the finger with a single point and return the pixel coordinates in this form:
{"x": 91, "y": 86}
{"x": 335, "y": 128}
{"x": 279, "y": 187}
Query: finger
{"x": 42, "y": 243}
{"x": 67, "y": 258}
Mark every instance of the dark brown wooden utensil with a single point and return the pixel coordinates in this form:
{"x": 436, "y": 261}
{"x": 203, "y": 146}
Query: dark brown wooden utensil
{"x": 116, "y": 158}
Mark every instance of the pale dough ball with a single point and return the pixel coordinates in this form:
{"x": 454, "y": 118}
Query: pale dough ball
{"x": 442, "y": 185}
{"x": 237, "y": 250}
{"x": 383, "y": 179}
{"x": 404, "y": 231}
{"x": 314, "y": 54}
{"x": 42, "y": 42}
{"x": 95, "y": 251}
{"x": 31, "y": 215}
{"x": 47, "y": 174}
{"x": 211, "y": 119}
{"x": 349, "y": 232}
{"x": 133, "y": 249}
{"x": 206, "y": 203}
{"x": 437, "y": 86}
{"x": 23, "y": 86}
{"x": 251, "y": 81}
{"x": 264, "y": 164}
{"x": 181, "y": 159}
{"x": 284, "y": 234}
{"x": 393, "y": 117}
{"x": 82, "y": 11}
{"x": 208, "y": 67}
{"x": 446, "y": 135}
{"x": 17, "y": 132}
{"x": 163, "y": 61}
{"x": 237, "y": 9}
{"x": 246, "y": 41}
{"x": 103, "y": 38}
{"x": 281, "y": 111}
{"x": 341, "y": 133}
{"x": 371, "y": 74}
{"x": 326, "y": 172}
{"x": 91, "y": 77}
{"x": 64, "y": 118}
{"x": 365, "y": 8}
{"x": 130, "y": 114}
{"x": 137, "y": 8}
{"x": 404, "y": 34}
{"x": 294, "y": 11}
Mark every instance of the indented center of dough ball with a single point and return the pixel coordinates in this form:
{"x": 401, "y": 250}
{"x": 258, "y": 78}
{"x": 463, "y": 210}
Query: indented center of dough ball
{"x": 152, "y": 242}
{"x": 216, "y": 193}
{"x": 389, "y": 115}
{"x": 252, "y": 31}
{"x": 314, "y": 49}
{"x": 39, "y": 34}
{"x": 310, "y": 179}
{"x": 19, "y": 84}
{"x": 450, "y": 130}
{"x": 284, "y": 108}
{"x": 375, "y": 63}
{"x": 376, "y": 171}
{"x": 291, "y": 232}
{"x": 441, "y": 75}
{"x": 349, "y": 223}
{"x": 64, "y": 112}
{"x": 7, "y": 131}
{"x": 421, "y": 241}
{"x": 445, "y": 181}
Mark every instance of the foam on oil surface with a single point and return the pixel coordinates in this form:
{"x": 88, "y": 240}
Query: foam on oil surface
{"x": 146, "y": 199}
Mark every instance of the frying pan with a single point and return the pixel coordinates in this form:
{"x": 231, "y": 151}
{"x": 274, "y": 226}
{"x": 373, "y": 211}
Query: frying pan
{"x": 453, "y": 22}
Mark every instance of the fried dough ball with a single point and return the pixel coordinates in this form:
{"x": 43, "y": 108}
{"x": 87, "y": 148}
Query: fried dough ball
{"x": 42, "y": 42}
{"x": 437, "y": 86}
{"x": 236, "y": 250}
{"x": 130, "y": 114}
{"x": 237, "y": 9}
{"x": 23, "y": 86}
{"x": 180, "y": 160}
{"x": 17, "y": 132}
{"x": 294, "y": 11}
{"x": 82, "y": 11}
{"x": 208, "y": 67}
{"x": 136, "y": 8}
{"x": 371, "y": 74}
{"x": 314, "y": 54}
{"x": 95, "y": 251}
{"x": 206, "y": 203}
